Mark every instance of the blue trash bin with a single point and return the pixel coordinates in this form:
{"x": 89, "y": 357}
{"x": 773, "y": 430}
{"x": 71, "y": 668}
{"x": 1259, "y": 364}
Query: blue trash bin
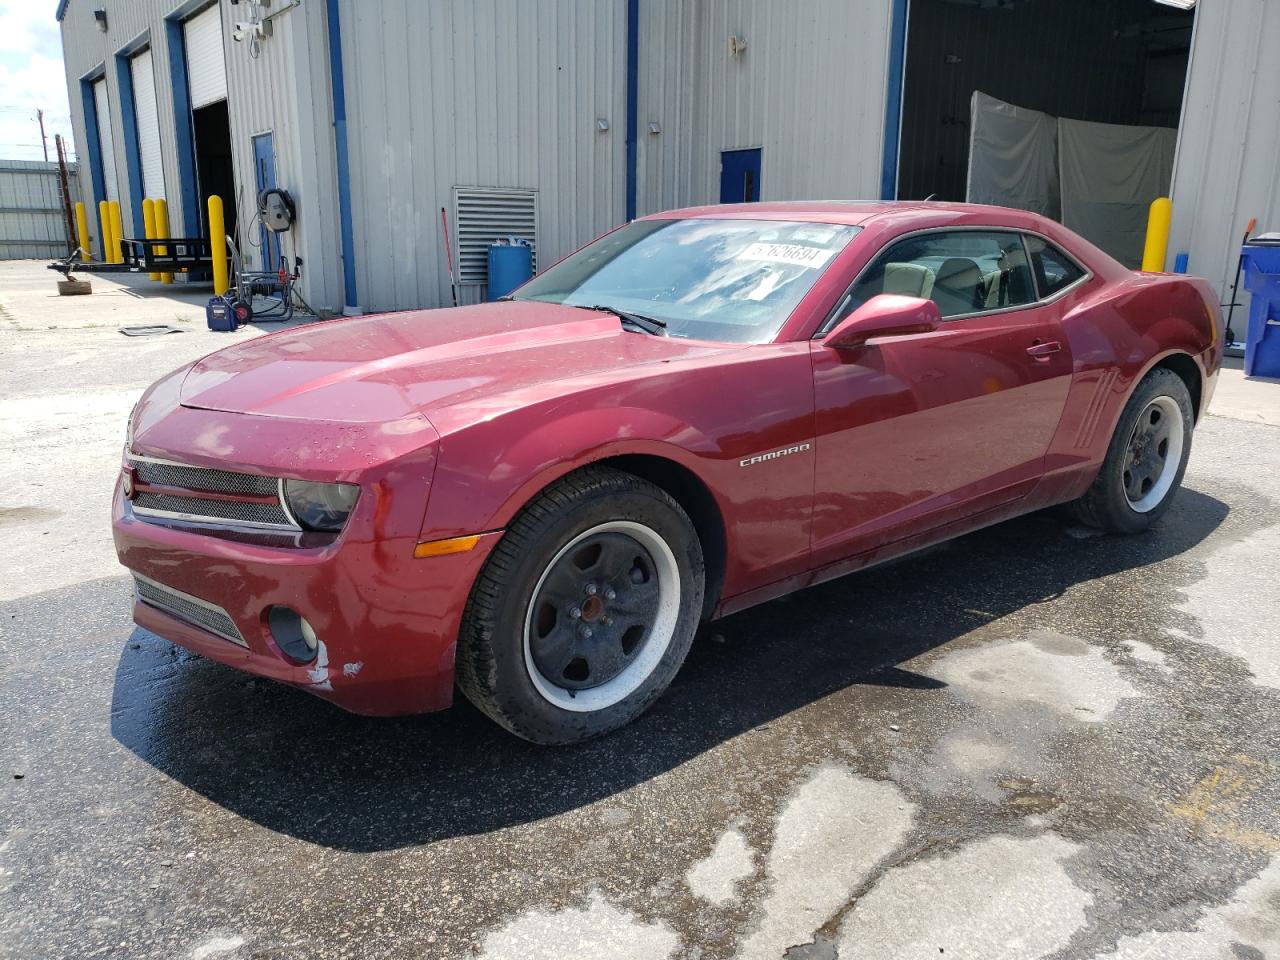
{"x": 1262, "y": 280}
{"x": 510, "y": 264}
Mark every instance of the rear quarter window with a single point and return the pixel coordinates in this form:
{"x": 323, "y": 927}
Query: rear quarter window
{"x": 1053, "y": 269}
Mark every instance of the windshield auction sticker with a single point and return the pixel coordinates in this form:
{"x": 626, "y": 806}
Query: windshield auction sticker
{"x": 793, "y": 254}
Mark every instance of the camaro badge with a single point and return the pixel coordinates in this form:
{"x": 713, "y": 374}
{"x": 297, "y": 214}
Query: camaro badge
{"x": 774, "y": 455}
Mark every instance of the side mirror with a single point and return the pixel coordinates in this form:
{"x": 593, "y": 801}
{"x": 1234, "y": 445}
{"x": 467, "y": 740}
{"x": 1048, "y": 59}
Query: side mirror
{"x": 886, "y": 315}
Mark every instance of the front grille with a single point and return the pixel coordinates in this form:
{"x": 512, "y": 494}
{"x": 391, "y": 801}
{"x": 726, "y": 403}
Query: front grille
{"x": 204, "y": 502}
{"x": 162, "y": 474}
{"x": 197, "y": 508}
{"x": 182, "y": 606}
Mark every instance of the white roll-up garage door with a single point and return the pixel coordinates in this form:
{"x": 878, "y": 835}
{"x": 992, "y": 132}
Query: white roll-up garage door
{"x": 144, "y": 108}
{"x": 206, "y": 68}
{"x": 106, "y": 144}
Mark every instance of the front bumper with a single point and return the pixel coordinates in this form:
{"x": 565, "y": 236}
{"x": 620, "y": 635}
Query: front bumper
{"x": 387, "y": 623}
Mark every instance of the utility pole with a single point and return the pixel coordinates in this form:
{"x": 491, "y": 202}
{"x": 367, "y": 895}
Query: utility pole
{"x": 44, "y": 142}
{"x": 65, "y": 187}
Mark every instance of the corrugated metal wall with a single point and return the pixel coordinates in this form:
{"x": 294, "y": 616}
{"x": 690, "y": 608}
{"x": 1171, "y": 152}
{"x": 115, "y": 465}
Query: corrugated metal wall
{"x": 490, "y": 93}
{"x": 508, "y": 93}
{"x": 84, "y": 48}
{"x": 1229, "y": 149}
{"x": 668, "y": 79}
{"x": 809, "y": 90}
{"x": 32, "y": 222}
{"x": 285, "y": 89}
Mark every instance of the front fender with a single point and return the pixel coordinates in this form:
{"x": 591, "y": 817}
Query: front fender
{"x": 482, "y": 482}
{"x": 711, "y": 420}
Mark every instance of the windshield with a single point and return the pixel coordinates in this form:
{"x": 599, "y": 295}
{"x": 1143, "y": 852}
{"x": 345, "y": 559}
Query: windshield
{"x": 734, "y": 280}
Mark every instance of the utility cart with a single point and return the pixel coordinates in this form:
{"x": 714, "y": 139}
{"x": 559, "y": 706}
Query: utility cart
{"x": 181, "y": 255}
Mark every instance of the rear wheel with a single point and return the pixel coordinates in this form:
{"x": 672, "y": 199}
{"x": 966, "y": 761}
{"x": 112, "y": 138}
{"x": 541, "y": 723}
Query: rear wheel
{"x": 584, "y": 611}
{"x": 1146, "y": 460}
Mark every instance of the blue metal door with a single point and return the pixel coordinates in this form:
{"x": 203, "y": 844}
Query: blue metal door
{"x": 740, "y": 176}
{"x": 264, "y": 172}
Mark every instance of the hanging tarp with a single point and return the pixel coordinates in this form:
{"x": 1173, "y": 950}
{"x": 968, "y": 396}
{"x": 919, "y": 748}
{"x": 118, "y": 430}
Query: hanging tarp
{"x": 1013, "y": 156}
{"x": 1110, "y": 174}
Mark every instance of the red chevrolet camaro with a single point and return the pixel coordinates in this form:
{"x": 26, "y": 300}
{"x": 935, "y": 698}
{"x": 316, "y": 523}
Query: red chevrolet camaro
{"x": 538, "y": 500}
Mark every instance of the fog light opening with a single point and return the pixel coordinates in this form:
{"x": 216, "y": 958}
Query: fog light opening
{"x": 295, "y": 637}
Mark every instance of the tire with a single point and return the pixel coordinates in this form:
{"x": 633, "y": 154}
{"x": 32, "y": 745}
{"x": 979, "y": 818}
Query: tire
{"x": 585, "y": 609}
{"x": 1142, "y": 472}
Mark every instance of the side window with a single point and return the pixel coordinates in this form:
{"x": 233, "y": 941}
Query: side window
{"x": 962, "y": 271}
{"x": 1054, "y": 269}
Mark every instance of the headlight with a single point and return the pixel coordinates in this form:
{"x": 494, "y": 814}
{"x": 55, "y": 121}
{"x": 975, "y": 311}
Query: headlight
{"x": 128, "y": 427}
{"x": 320, "y": 506}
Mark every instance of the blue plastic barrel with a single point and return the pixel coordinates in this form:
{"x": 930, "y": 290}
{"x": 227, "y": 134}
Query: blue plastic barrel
{"x": 1262, "y": 280}
{"x": 510, "y": 264}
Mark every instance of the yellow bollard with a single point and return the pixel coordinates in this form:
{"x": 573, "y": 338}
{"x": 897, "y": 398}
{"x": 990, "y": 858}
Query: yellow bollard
{"x": 149, "y": 228}
{"x": 117, "y": 232}
{"x": 104, "y": 215}
{"x": 218, "y": 245}
{"x": 1157, "y": 245}
{"x": 82, "y": 231}
{"x": 161, "y": 209}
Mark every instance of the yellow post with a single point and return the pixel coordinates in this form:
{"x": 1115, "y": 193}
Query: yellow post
{"x": 82, "y": 231}
{"x": 104, "y": 215}
{"x": 117, "y": 232}
{"x": 1157, "y": 246}
{"x": 218, "y": 245}
{"x": 149, "y": 228}
{"x": 161, "y": 209}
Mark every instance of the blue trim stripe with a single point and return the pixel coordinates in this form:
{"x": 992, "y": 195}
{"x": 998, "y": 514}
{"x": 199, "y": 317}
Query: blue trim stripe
{"x": 94, "y": 149}
{"x": 62, "y": 10}
{"x": 185, "y": 140}
{"x": 132, "y": 148}
{"x": 340, "y": 148}
{"x": 633, "y": 97}
{"x": 893, "y": 108}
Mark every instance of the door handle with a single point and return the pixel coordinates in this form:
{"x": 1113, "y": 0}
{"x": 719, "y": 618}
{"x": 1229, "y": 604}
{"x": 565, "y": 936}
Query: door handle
{"x": 1042, "y": 351}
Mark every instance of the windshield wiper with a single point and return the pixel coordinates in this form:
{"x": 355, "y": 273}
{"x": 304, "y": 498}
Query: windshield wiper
{"x": 647, "y": 324}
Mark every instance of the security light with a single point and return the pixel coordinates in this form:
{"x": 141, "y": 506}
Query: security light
{"x": 1180, "y": 4}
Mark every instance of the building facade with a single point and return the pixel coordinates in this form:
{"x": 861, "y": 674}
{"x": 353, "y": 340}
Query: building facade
{"x": 556, "y": 120}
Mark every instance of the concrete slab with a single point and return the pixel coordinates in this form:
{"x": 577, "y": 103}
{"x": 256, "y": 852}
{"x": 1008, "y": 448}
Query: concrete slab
{"x": 29, "y": 300}
{"x": 1252, "y": 399}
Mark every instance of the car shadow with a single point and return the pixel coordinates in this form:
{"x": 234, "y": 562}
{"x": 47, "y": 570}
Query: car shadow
{"x": 297, "y": 765}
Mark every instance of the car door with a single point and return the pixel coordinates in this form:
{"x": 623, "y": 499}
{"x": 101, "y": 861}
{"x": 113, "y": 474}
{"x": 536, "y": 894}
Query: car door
{"x": 919, "y": 431}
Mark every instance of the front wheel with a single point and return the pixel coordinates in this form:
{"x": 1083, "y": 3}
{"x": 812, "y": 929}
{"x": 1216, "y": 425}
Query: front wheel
{"x": 584, "y": 611}
{"x": 1146, "y": 459}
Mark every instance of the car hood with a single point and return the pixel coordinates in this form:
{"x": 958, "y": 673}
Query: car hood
{"x": 384, "y": 368}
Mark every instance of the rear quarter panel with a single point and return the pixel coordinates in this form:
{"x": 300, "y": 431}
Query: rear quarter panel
{"x": 1117, "y": 332}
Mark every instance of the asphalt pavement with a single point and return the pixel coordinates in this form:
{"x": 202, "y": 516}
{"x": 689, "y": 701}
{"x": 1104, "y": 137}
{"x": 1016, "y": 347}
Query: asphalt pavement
{"x": 1031, "y": 742}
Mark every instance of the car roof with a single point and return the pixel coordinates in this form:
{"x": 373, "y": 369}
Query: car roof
{"x": 861, "y": 213}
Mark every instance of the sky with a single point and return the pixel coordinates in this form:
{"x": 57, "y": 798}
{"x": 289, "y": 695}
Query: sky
{"x": 31, "y": 77}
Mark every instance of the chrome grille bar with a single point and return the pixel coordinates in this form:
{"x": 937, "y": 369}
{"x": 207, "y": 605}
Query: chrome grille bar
{"x": 200, "y": 509}
{"x": 206, "y": 495}
{"x": 163, "y": 473}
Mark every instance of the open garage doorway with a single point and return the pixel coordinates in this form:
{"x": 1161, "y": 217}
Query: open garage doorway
{"x": 201, "y": 87}
{"x": 1116, "y": 62}
{"x": 215, "y": 172}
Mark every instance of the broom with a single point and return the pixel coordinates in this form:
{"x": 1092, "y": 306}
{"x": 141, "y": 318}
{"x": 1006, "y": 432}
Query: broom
{"x": 448, "y": 252}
